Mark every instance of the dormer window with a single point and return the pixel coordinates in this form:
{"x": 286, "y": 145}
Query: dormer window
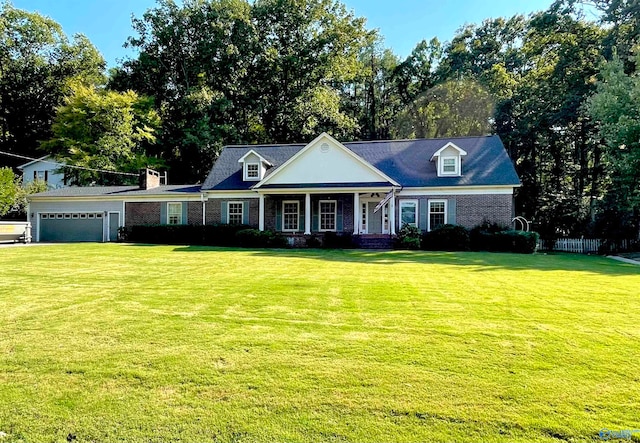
{"x": 448, "y": 160}
{"x": 254, "y": 166}
{"x": 450, "y": 165}
{"x": 253, "y": 171}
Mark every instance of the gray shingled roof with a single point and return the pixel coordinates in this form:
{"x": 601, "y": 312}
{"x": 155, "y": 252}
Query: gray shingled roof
{"x": 118, "y": 191}
{"x": 405, "y": 161}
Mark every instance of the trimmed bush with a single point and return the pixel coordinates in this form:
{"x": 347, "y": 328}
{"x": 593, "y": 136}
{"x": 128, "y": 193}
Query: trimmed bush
{"x": 446, "y": 238}
{"x": 333, "y": 240}
{"x": 408, "y": 237}
{"x": 254, "y": 238}
{"x": 490, "y": 238}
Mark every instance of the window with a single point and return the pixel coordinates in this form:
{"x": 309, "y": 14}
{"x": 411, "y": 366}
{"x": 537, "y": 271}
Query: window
{"x": 234, "y": 213}
{"x": 290, "y": 213}
{"x": 449, "y": 165}
{"x": 252, "y": 171}
{"x": 409, "y": 212}
{"x": 174, "y": 213}
{"x": 327, "y": 215}
{"x": 437, "y": 213}
{"x": 363, "y": 227}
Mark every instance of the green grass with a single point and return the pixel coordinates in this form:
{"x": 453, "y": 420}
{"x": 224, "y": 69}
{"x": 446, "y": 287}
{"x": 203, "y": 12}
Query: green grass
{"x": 158, "y": 343}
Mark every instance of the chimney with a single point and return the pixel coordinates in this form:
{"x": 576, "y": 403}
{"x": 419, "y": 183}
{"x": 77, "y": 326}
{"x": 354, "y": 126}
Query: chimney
{"x": 149, "y": 178}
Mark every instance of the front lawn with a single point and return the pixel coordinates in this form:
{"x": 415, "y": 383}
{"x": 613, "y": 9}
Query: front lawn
{"x": 109, "y": 342}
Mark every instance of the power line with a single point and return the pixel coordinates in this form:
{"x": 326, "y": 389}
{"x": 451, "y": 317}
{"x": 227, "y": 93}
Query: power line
{"x": 10, "y": 154}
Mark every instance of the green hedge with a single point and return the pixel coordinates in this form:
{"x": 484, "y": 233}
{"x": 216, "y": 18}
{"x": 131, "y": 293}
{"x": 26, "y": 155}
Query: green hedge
{"x": 209, "y": 235}
{"x": 446, "y": 238}
{"x": 504, "y": 241}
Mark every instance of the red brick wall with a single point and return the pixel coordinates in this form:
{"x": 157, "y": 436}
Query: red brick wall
{"x": 143, "y": 213}
{"x": 214, "y": 205}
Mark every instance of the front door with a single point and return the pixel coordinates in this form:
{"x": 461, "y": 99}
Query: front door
{"x": 374, "y": 219}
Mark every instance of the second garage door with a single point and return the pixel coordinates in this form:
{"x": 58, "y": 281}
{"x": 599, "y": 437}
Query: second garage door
{"x": 71, "y": 227}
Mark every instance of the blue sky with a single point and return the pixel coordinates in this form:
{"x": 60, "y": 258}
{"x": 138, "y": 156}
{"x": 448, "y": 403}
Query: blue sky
{"x": 402, "y": 23}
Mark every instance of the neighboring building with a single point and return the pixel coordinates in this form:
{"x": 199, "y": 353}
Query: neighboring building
{"x": 45, "y": 169}
{"x": 367, "y": 189}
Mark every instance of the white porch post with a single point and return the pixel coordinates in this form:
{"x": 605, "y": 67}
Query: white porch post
{"x": 356, "y": 213}
{"x": 307, "y": 213}
{"x": 261, "y": 213}
{"x": 392, "y": 214}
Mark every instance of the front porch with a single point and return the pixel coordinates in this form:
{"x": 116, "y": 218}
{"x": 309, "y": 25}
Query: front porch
{"x": 355, "y": 213}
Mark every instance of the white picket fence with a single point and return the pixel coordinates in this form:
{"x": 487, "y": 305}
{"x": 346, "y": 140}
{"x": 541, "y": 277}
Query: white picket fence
{"x": 579, "y": 245}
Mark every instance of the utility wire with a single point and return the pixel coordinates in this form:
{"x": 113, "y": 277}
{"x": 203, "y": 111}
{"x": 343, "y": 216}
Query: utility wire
{"x": 10, "y": 154}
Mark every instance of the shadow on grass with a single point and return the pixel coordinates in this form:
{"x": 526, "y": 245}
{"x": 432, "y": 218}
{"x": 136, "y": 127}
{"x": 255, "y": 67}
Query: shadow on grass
{"x": 475, "y": 261}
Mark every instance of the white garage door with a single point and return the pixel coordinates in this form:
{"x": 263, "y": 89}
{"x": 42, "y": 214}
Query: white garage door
{"x": 71, "y": 227}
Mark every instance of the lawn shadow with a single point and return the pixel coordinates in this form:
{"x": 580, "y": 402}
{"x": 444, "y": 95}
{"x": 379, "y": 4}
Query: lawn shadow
{"x": 474, "y": 261}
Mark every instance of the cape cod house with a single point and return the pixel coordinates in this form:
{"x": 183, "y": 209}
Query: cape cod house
{"x": 367, "y": 189}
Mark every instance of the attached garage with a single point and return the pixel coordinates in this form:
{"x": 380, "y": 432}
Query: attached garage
{"x": 71, "y": 227}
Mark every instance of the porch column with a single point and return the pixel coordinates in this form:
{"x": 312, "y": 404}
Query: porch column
{"x": 261, "y": 213}
{"x": 392, "y": 214}
{"x": 307, "y": 213}
{"x": 356, "y": 213}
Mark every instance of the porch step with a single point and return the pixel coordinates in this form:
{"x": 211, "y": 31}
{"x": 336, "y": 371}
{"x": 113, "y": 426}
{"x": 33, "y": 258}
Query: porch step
{"x": 374, "y": 241}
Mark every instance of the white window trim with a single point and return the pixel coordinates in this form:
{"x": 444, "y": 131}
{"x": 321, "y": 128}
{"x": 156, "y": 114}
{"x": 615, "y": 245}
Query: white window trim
{"x": 246, "y": 172}
{"x": 335, "y": 216}
{"x": 446, "y": 210}
{"x": 456, "y": 159}
{"x": 174, "y": 204}
{"x": 229, "y": 211}
{"x": 401, "y": 204}
{"x": 297, "y": 203}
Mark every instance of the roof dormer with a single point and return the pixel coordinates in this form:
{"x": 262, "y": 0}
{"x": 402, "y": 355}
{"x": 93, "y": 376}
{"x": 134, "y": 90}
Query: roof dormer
{"x": 449, "y": 160}
{"x": 254, "y": 166}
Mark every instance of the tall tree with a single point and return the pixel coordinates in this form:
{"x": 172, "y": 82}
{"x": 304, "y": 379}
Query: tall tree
{"x": 36, "y": 62}
{"x": 104, "y": 130}
{"x": 616, "y": 107}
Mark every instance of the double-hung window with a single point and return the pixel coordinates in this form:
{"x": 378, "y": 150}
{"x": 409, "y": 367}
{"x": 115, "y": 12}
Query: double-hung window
{"x": 409, "y": 213}
{"x": 174, "y": 213}
{"x": 327, "y": 215}
{"x": 234, "y": 213}
{"x": 290, "y": 214}
{"x": 437, "y": 213}
{"x": 253, "y": 171}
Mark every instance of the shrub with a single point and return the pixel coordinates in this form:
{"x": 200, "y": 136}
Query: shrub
{"x": 408, "y": 237}
{"x": 493, "y": 238}
{"x": 446, "y": 238}
{"x": 313, "y": 241}
{"x": 333, "y": 240}
{"x": 254, "y": 238}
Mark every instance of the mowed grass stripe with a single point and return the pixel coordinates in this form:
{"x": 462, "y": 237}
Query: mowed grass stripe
{"x": 162, "y": 343}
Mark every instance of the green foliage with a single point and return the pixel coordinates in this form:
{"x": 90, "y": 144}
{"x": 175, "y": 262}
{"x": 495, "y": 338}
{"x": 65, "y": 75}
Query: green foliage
{"x": 616, "y": 107}
{"x": 7, "y": 190}
{"x": 495, "y": 238}
{"x": 446, "y": 238}
{"x": 104, "y": 130}
{"x": 409, "y": 237}
{"x": 13, "y": 195}
{"x": 36, "y": 63}
{"x": 211, "y": 235}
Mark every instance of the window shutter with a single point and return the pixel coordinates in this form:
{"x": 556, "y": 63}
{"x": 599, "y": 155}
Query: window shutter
{"x": 301, "y": 218}
{"x": 185, "y": 211}
{"x": 223, "y": 212}
{"x": 315, "y": 219}
{"x": 245, "y": 213}
{"x": 163, "y": 213}
{"x": 339, "y": 218}
{"x": 278, "y": 215}
{"x": 424, "y": 214}
{"x": 451, "y": 211}
{"x": 46, "y": 176}
{"x": 35, "y": 175}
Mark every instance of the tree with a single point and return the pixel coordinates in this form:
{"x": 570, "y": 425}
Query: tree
{"x": 450, "y": 109}
{"x": 104, "y": 130}
{"x": 616, "y": 107}
{"x": 234, "y": 71}
{"x": 13, "y": 195}
{"x": 36, "y": 62}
